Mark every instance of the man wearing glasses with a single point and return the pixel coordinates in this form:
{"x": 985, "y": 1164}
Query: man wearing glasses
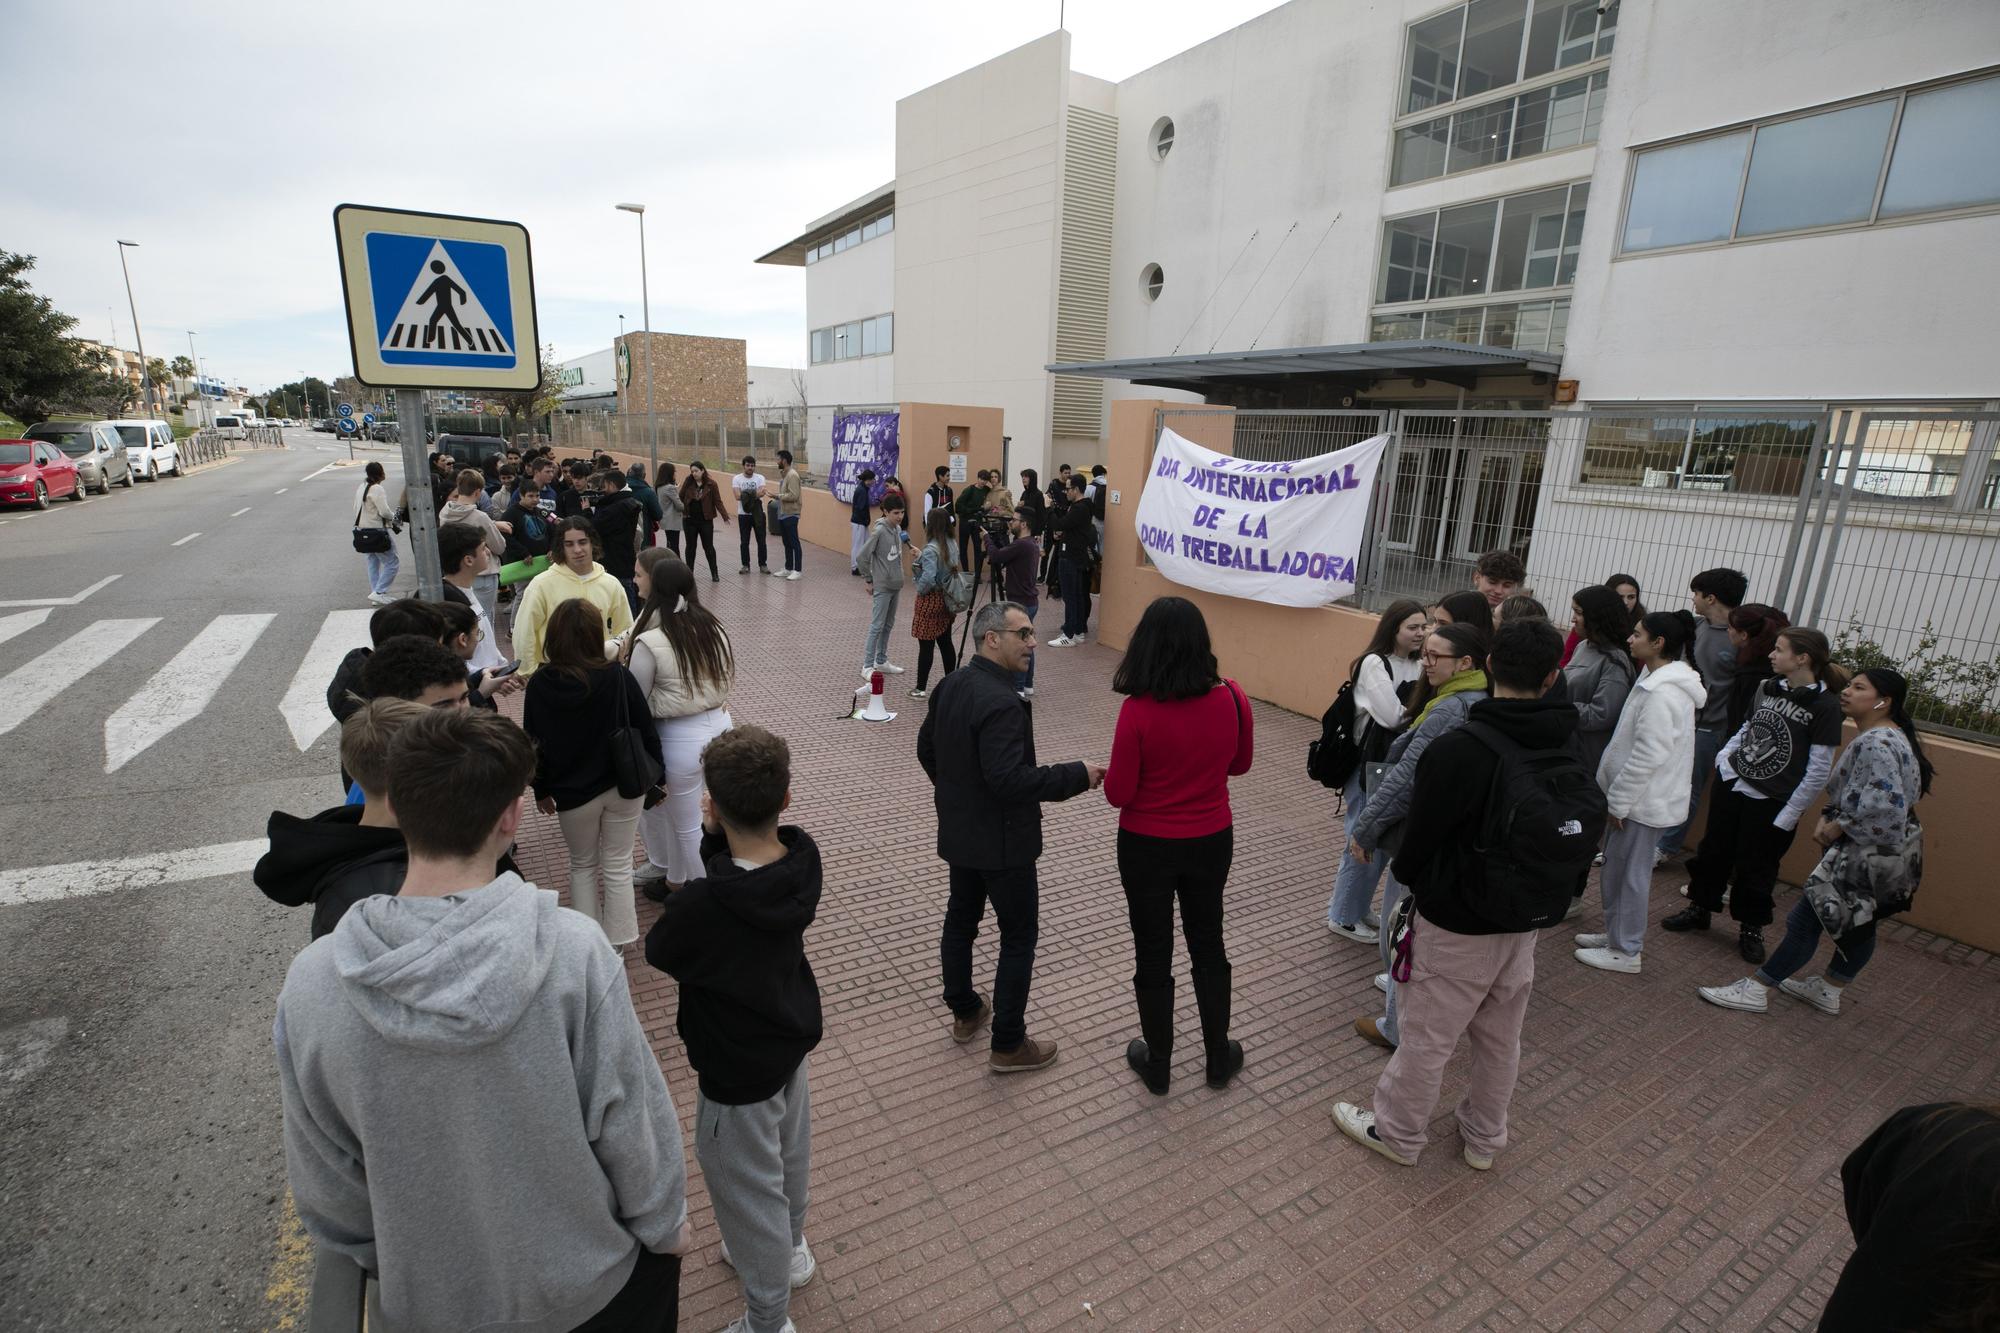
{"x": 978, "y": 748}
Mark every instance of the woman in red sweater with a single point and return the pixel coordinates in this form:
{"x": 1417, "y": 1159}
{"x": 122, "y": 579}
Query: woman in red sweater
{"x": 1183, "y": 732}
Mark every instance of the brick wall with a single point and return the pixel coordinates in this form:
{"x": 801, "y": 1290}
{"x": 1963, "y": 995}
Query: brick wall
{"x": 688, "y": 372}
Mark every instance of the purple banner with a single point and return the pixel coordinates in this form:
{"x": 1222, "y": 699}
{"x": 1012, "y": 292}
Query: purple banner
{"x": 863, "y": 441}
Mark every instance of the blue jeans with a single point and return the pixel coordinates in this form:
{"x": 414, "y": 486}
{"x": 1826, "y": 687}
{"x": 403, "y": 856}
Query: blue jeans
{"x": 382, "y": 567}
{"x": 877, "y": 650}
{"x": 1017, "y": 908}
{"x": 1025, "y": 680}
{"x": 1076, "y": 599}
{"x": 1354, "y": 885}
{"x": 1707, "y": 744}
{"x": 788, "y": 533}
{"x": 1851, "y": 951}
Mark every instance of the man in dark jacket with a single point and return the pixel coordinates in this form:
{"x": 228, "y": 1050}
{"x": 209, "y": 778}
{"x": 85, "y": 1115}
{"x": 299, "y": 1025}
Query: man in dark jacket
{"x": 971, "y": 503}
{"x": 1077, "y": 540}
{"x": 977, "y": 745}
{"x": 617, "y": 515}
{"x": 1015, "y": 559}
{"x": 749, "y": 1012}
{"x": 648, "y": 498}
{"x": 1471, "y": 970}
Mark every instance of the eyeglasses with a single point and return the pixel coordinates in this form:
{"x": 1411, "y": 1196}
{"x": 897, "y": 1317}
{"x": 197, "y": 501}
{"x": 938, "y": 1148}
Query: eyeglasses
{"x": 1430, "y": 657}
{"x": 1026, "y": 634}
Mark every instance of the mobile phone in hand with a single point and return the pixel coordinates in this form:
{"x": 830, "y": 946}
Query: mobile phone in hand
{"x": 504, "y": 669}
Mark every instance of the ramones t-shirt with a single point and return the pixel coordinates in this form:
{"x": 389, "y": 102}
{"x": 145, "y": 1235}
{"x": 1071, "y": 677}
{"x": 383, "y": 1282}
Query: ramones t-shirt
{"x": 1778, "y": 737}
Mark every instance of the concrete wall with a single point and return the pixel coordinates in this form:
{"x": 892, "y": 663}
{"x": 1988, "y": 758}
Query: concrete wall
{"x": 978, "y": 171}
{"x": 855, "y": 284}
{"x": 1876, "y": 312}
{"x": 921, "y": 436}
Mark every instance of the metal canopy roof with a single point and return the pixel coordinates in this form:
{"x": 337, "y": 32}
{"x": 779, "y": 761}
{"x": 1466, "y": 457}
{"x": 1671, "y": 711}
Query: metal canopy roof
{"x": 1205, "y": 371}
{"x": 793, "y": 252}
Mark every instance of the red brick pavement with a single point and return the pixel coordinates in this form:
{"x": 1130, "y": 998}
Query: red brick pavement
{"x": 1674, "y": 1166}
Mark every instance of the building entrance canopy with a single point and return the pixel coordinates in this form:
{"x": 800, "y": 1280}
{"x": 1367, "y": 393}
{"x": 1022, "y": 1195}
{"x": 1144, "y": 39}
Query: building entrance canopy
{"x": 1227, "y": 375}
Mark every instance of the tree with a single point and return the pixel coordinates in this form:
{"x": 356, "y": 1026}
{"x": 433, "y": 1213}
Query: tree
{"x": 41, "y": 367}
{"x": 97, "y": 388}
{"x": 182, "y": 368}
{"x": 525, "y": 408}
{"x": 156, "y": 371}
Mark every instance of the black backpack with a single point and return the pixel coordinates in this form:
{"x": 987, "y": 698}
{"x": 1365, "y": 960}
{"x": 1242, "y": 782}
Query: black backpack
{"x": 1544, "y": 819}
{"x": 1345, "y": 741}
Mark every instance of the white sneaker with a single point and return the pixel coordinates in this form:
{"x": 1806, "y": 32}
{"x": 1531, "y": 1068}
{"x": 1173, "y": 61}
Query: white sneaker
{"x": 1359, "y": 1125}
{"x": 1478, "y": 1161}
{"x": 1815, "y": 992}
{"x": 1370, "y": 920}
{"x": 380, "y": 598}
{"x": 1598, "y": 859}
{"x": 741, "y": 1324}
{"x": 794, "y": 575}
{"x": 1659, "y": 857}
{"x": 1360, "y": 934}
{"x": 1382, "y": 982}
{"x": 1028, "y": 692}
{"x": 920, "y": 694}
{"x": 1059, "y": 641}
{"x": 773, "y": 573}
{"x": 1744, "y": 994}
{"x": 804, "y": 1266}
{"x": 1608, "y": 960}
{"x": 889, "y": 668}
{"x": 1593, "y": 941}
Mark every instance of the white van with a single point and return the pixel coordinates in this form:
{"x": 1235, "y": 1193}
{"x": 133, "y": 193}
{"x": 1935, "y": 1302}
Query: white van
{"x": 149, "y": 447}
{"x": 229, "y": 427}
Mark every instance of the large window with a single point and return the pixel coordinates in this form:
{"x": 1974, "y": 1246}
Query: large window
{"x": 1478, "y": 47}
{"x": 1560, "y": 115}
{"x": 856, "y": 338}
{"x": 853, "y": 236}
{"x": 1904, "y": 153}
{"x": 1755, "y": 453}
{"x": 1451, "y": 260}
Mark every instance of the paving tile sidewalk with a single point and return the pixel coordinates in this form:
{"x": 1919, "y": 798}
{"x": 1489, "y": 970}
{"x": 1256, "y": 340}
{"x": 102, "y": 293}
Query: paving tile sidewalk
{"x": 1674, "y": 1165}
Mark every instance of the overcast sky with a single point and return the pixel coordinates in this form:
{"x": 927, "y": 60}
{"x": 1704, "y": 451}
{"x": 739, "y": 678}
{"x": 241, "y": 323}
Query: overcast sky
{"x": 220, "y": 135}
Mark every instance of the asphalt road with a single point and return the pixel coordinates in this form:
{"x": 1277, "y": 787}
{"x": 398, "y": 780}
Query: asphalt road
{"x": 142, "y": 1179}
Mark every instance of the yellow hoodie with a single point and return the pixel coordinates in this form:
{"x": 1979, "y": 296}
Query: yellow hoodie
{"x": 556, "y": 585}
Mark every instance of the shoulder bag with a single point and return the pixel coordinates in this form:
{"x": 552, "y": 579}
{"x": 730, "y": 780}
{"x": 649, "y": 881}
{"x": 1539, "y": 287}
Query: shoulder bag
{"x": 369, "y": 541}
{"x": 1854, "y": 884}
{"x": 632, "y": 764}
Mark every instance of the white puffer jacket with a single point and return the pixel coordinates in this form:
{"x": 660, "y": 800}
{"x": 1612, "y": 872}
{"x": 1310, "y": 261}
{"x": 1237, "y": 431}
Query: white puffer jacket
{"x": 1647, "y": 772}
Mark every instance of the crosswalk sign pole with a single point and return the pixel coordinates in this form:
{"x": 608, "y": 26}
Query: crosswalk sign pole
{"x": 417, "y": 480}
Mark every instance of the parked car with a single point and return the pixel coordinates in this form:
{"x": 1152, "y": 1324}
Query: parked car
{"x": 470, "y": 450}
{"x": 229, "y": 427}
{"x": 35, "y": 472}
{"x": 96, "y": 447}
{"x": 150, "y": 448}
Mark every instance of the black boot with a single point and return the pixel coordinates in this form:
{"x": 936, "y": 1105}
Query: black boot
{"x": 1691, "y": 917}
{"x": 1750, "y": 943}
{"x": 1211, "y": 997}
{"x": 1151, "y": 1056}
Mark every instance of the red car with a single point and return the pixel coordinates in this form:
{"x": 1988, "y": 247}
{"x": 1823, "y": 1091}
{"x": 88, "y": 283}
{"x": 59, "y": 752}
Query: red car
{"x": 34, "y": 472}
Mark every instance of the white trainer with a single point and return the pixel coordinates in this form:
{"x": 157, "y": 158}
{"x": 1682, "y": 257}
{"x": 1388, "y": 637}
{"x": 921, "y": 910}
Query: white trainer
{"x": 1588, "y": 941}
{"x": 1370, "y": 920}
{"x": 1360, "y": 934}
{"x": 1059, "y": 641}
{"x": 1744, "y": 994}
{"x": 804, "y": 1266}
{"x": 889, "y": 667}
{"x": 1815, "y": 992}
{"x": 1382, "y": 982}
{"x": 1359, "y": 1125}
{"x": 1478, "y": 1161}
{"x": 794, "y": 575}
{"x": 741, "y": 1324}
{"x": 1609, "y": 960}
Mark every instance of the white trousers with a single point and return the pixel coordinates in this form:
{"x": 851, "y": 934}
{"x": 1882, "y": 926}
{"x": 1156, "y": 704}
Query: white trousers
{"x": 598, "y": 834}
{"x": 672, "y": 829}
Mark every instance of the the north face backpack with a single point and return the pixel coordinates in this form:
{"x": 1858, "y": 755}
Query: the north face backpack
{"x": 1544, "y": 818}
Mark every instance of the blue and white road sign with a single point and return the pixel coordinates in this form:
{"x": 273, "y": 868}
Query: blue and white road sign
{"x": 367, "y": 418}
{"x": 346, "y": 426}
{"x": 345, "y": 410}
{"x": 437, "y": 301}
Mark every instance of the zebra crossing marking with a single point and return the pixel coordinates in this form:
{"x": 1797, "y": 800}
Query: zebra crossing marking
{"x": 21, "y": 622}
{"x": 304, "y": 704}
{"x": 27, "y": 687}
{"x": 81, "y": 879}
{"x": 180, "y": 690}
{"x": 77, "y": 600}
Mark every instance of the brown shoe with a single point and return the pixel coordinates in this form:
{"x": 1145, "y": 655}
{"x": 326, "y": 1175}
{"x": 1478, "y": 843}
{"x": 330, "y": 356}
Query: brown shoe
{"x": 964, "y": 1030}
{"x": 1030, "y": 1054}
{"x": 1370, "y": 1031}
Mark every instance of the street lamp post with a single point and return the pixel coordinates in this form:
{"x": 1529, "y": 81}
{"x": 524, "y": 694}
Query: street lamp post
{"x": 145, "y": 372}
{"x": 646, "y": 316}
{"x": 199, "y": 393}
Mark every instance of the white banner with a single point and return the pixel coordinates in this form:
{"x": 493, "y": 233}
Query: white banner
{"x": 1285, "y": 533}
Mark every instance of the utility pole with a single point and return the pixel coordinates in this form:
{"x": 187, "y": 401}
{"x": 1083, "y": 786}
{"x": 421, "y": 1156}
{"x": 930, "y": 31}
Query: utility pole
{"x": 646, "y": 316}
{"x": 145, "y": 372}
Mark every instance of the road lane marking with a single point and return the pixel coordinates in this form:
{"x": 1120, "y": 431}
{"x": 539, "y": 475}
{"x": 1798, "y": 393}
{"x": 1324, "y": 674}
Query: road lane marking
{"x": 28, "y": 686}
{"x": 181, "y": 689}
{"x": 304, "y": 704}
{"x": 185, "y": 540}
{"x": 241, "y": 512}
{"x": 83, "y": 879}
{"x": 65, "y": 601}
{"x": 310, "y": 475}
{"x": 281, "y": 490}
{"x": 21, "y": 622}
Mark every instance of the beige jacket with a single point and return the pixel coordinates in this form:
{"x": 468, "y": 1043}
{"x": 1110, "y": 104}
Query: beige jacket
{"x": 669, "y": 693}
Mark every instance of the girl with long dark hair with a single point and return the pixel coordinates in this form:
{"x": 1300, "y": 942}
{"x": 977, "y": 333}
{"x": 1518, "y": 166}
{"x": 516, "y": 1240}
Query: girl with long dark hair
{"x": 373, "y": 510}
{"x": 571, "y": 705}
{"x": 1771, "y": 769}
{"x": 701, "y": 505}
{"x": 681, "y": 657}
{"x": 1183, "y": 732}
{"x": 668, "y": 492}
{"x": 1384, "y": 676}
{"x": 1644, "y": 775}
{"x": 1600, "y": 671}
{"x": 1033, "y": 500}
{"x": 1464, "y": 608}
{"x": 930, "y": 617}
{"x": 1753, "y": 633}
{"x": 1871, "y": 802}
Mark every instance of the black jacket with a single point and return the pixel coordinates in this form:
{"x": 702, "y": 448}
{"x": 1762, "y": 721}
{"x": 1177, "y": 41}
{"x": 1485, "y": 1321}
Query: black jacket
{"x": 330, "y": 861}
{"x": 1448, "y": 805}
{"x": 1074, "y": 530}
{"x": 1036, "y": 504}
{"x": 617, "y": 519}
{"x": 977, "y": 744}
{"x": 345, "y": 695}
{"x": 570, "y": 721}
{"x": 735, "y": 941}
{"x": 1017, "y": 558}
{"x": 531, "y": 535}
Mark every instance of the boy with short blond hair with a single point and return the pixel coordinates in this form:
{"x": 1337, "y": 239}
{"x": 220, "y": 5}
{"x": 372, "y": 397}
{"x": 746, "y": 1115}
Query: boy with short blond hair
{"x": 749, "y": 1013}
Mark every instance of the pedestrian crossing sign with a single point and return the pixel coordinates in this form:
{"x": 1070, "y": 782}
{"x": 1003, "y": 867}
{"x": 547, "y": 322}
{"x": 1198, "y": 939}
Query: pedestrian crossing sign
{"x": 436, "y": 301}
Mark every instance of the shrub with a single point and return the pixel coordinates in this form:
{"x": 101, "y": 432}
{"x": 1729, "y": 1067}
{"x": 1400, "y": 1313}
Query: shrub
{"x": 1946, "y": 690}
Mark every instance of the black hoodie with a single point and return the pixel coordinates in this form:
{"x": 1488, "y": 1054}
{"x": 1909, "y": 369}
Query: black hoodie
{"x": 330, "y": 861}
{"x": 616, "y": 516}
{"x": 570, "y": 719}
{"x": 344, "y": 697}
{"x": 1448, "y": 806}
{"x": 735, "y": 941}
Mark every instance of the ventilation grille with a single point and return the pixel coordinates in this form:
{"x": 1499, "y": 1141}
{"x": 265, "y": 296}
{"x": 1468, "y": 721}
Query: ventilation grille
{"x": 1083, "y": 291}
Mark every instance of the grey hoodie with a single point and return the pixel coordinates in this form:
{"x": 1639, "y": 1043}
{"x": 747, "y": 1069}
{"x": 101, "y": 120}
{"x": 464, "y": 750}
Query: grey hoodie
{"x": 881, "y": 557}
{"x": 472, "y": 1112}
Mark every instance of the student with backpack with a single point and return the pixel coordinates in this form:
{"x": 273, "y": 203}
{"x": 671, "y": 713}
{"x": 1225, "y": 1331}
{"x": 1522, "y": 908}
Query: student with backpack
{"x": 1874, "y": 853}
{"x": 931, "y": 617}
{"x": 1644, "y": 776}
{"x": 1600, "y": 671}
{"x": 1454, "y": 680}
{"x": 1771, "y": 770}
{"x": 1367, "y": 713}
{"x": 1503, "y": 816}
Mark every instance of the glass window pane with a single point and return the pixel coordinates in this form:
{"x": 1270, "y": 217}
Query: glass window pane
{"x": 1406, "y": 258}
{"x": 888, "y": 323}
{"x": 867, "y": 231}
{"x": 1395, "y": 328}
{"x": 1569, "y": 107}
{"x": 1479, "y": 137}
{"x": 1816, "y": 170}
{"x": 1935, "y": 164}
{"x": 1432, "y": 60}
{"x": 1531, "y": 327}
{"x": 1492, "y": 45}
{"x": 1558, "y": 324}
{"x": 1531, "y": 123}
{"x": 888, "y": 222}
{"x": 1607, "y": 28}
{"x": 1531, "y": 232}
{"x": 1579, "y": 39}
{"x": 868, "y": 347}
{"x": 1593, "y": 114}
{"x": 1500, "y": 325}
{"x": 1420, "y": 151}
{"x": 1579, "y": 196}
{"x": 1459, "y": 326}
{"x": 1545, "y": 30}
{"x": 1685, "y": 193}
{"x": 1464, "y": 250}
{"x": 1634, "y": 451}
